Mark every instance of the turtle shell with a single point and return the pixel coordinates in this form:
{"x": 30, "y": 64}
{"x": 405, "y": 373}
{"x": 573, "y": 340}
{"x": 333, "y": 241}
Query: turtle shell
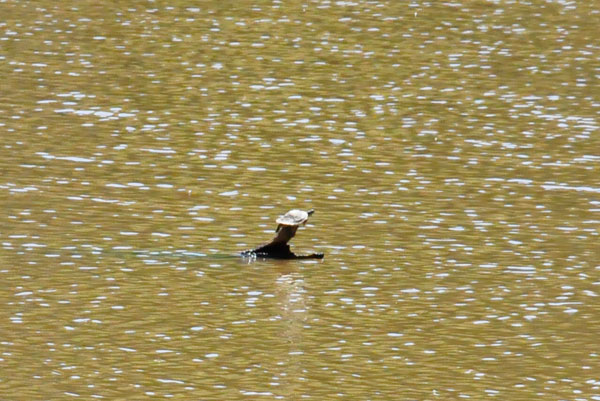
{"x": 294, "y": 217}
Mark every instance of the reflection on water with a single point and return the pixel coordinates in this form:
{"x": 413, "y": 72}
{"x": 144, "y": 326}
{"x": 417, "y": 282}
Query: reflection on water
{"x": 450, "y": 150}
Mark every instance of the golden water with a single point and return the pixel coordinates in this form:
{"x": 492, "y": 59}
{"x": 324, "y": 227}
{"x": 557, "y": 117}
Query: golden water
{"x": 451, "y": 151}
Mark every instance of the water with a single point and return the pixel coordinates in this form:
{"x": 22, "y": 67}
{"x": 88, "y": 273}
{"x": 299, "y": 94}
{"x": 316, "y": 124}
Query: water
{"x": 450, "y": 151}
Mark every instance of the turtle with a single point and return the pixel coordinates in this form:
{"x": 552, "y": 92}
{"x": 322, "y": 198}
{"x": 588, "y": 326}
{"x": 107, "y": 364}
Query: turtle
{"x": 278, "y": 248}
{"x": 293, "y": 218}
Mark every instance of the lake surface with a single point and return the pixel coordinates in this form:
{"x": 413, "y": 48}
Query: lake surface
{"x": 451, "y": 151}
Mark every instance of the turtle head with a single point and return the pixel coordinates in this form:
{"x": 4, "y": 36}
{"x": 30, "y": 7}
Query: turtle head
{"x": 310, "y": 212}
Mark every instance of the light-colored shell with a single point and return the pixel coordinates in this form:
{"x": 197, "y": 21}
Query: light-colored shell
{"x": 294, "y": 217}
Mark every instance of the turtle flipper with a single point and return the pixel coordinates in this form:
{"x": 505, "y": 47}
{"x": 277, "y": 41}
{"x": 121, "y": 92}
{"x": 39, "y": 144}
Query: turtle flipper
{"x": 311, "y": 256}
